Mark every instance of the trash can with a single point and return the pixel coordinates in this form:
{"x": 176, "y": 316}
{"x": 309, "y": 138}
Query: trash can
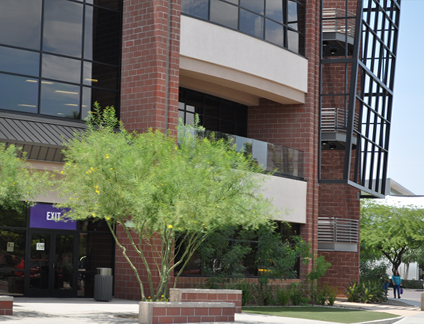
{"x": 103, "y": 283}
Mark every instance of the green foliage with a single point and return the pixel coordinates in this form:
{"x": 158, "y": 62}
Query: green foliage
{"x": 232, "y": 252}
{"x": 150, "y": 185}
{"x": 319, "y": 269}
{"x": 247, "y": 291}
{"x": 264, "y": 294}
{"x": 391, "y": 231}
{"x": 18, "y": 181}
{"x": 332, "y": 295}
{"x": 283, "y": 295}
{"x": 296, "y": 295}
{"x": 352, "y": 292}
{"x": 368, "y": 291}
{"x": 372, "y": 270}
{"x": 413, "y": 284}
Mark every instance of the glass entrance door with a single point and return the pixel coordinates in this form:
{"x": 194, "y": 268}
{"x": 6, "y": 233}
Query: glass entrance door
{"x": 52, "y": 271}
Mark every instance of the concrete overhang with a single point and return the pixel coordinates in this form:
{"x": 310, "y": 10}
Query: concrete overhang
{"x": 238, "y": 67}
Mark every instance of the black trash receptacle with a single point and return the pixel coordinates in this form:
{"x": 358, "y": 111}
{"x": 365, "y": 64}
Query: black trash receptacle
{"x": 103, "y": 283}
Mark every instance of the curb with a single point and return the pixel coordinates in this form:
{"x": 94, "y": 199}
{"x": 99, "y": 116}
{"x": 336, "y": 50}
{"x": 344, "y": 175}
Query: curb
{"x": 384, "y": 321}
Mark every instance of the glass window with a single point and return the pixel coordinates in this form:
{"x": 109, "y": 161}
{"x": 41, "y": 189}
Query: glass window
{"x": 61, "y": 68}
{"x": 13, "y": 218}
{"x": 254, "y": 5}
{"x": 12, "y": 282}
{"x": 60, "y": 99}
{"x": 274, "y": 10}
{"x": 197, "y": 8}
{"x": 111, "y": 4}
{"x": 293, "y": 41}
{"x": 102, "y": 36}
{"x": 251, "y": 24}
{"x": 62, "y": 27}
{"x": 274, "y": 32}
{"x": 211, "y": 107}
{"x": 20, "y": 23}
{"x": 102, "y": 76}
{"x": 18, "y": 93}
{"x": 19, "y": 61}
{"x": 292, "y": 11}
{"x": 224, "y": 14}
{"x": 253, "y": 16}
{"x": 105, "y": 98}
{"x": 12, "y": 248}
{"x": 194, "y": 100}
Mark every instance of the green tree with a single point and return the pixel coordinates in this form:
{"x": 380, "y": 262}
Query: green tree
{"x": 156, "y": 188}
{"x": 391, "y": 231}
{"x": 19, "y": 182}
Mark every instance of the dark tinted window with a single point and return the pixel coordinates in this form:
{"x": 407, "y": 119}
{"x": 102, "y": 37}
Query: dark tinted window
{"x": 101, "y": 76}
{"x": 53, "y": 29}
{"x": 13, "y": 218}
{"x": 224, "y": 14}
{"x": 19, "y": 61}
{"x": 251, "y": 23}
{"x": 274, "y": 10}
{"x": 274, "y": 33}
{"x": 12, "y": 248}
{"x": 60, "y": 99}
{"x": 102, "y": 35}
{"x": 18, "y": 93}
{"x": 271, "y": 20}
{"x": 197, "y": 8}
{"x": 110, "y": 4}
{"x": 215, "y": 114}
{"x": 20, "y": 23}
{"x": 63, "y": 27}
{"x": 61, "y": 68}
{"x": 253, "y": 5}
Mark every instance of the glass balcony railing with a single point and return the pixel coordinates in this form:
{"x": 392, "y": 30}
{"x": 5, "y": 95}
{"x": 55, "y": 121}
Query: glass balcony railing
{"x": 281, "y": 160}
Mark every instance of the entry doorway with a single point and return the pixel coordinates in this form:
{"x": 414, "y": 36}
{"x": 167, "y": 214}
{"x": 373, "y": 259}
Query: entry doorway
{"x": 52, "y": 264}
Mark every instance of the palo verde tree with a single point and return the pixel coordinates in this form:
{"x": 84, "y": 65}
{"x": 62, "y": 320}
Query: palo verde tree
{"x": 154, "y": 185}
{"x": 19, "y": 183}
{"x": 391, "y": 231}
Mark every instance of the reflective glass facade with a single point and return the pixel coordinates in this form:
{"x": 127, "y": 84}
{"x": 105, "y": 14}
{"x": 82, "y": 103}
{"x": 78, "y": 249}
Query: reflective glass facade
{"x": 59, "y": 56}
{"x": 280, "y": 22}
{"x": 215, "y": 114}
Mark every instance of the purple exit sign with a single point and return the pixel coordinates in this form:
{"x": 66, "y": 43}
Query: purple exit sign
{"x": 46, "y": 216}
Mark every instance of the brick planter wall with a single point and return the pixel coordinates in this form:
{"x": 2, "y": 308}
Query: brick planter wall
{"x": 6, "y": 305}
{"x": 174, "y": 312}
{"x": 207, "y": 295}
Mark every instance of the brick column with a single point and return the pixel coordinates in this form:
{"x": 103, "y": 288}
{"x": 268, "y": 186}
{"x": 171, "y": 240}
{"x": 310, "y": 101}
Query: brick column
{"x": 297, "y": 126}
{"x": 150, "y": 64}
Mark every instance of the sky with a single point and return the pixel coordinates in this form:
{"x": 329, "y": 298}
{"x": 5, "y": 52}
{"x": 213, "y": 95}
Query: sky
{"x": 406, "y": 146}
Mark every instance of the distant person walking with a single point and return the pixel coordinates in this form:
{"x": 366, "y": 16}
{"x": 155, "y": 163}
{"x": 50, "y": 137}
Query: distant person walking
{"x": 396, "y": 280}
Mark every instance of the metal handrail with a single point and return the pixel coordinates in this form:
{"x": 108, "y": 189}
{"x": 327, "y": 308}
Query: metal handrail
{"x": 276, "y": 158}
{"x": 337, "y": 24}
{"x": 335, "y": 119}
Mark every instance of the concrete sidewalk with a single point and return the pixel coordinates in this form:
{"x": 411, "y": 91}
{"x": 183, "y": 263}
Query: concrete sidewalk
{"x": 86, "y": 310}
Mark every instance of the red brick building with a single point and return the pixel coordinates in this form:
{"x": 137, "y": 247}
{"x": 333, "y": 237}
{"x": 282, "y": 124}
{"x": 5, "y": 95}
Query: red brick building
{"x": 308, "y": 84}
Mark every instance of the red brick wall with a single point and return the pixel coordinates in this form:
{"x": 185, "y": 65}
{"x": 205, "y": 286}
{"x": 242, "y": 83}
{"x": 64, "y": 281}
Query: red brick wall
{"x": 192, "y": 314}
{"x": 297, "y": 126}
{"x": 150, "y": 64}
{"x": 6, "y": 307}
{"x": 338, "y": 200}
{"x": 208, "y": 296}
{"x": 126, "y": 284}
{"x": 149, "y": 87}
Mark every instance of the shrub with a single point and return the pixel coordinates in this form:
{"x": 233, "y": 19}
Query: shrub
{"x": 283, "y": 295}
{"x": 332, "y": 294}
{"x": 296, "y": 295}
{"x": 247, "y": 291}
